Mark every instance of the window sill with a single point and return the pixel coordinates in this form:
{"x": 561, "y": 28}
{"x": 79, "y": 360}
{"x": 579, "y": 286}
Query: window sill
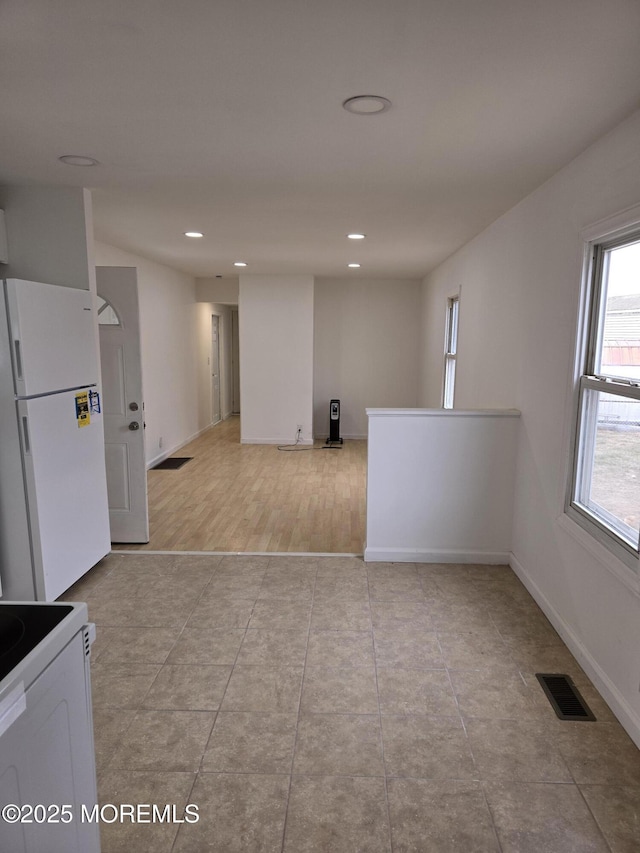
{"x": 622, "y": 572}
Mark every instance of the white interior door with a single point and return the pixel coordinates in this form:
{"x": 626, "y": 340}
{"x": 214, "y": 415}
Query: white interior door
{"x": 216, "y": 411}
{"x": 123, "y": 405}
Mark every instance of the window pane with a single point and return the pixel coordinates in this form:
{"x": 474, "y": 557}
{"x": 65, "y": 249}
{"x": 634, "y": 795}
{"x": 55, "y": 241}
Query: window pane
{"x": 106, "y": 313}
{"x": 619, "y": 346}
{"x": 609, "y": 480}
{"x": 449, "y": 381}
{"x": 453, "y": 342}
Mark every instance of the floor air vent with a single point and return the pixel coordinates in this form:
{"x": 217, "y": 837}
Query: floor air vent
{"x": 564, "y": 697}
{"x": 172, "y": 463}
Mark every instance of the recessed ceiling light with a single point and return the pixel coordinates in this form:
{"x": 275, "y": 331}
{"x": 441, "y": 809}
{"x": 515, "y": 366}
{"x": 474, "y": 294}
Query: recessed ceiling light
{"x": 356, "y": 236}
{"x": 366, "y": 105}
{"x": 77, "y": 160}
{"x": 353, "y": 266}
{"x": 193, "y": 234}
{"x": 239, "y": 264}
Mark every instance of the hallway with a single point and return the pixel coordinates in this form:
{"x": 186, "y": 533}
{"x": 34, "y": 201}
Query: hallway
{"x": 253, "y": 498}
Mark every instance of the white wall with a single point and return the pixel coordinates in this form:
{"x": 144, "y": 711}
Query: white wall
{"x": 175, "y": 342}
{"x": 366, "y": 349}
{"x": 489, "y": 372}
{"x": 220, "y": 290}
{"x": 276, "y": 358}
{"x": 429, "y": 473}
{"x": 520, "y": 292}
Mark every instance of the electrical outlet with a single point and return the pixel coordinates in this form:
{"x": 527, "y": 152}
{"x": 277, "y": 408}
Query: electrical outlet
{"x": 299, "y": 427}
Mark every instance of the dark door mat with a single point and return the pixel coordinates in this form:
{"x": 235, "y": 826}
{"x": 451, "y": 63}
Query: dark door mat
{"x": 172, "y": 463}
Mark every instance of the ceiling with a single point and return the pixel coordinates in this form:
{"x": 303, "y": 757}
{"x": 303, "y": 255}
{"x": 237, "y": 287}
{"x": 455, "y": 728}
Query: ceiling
{"x": 225, "y": 116}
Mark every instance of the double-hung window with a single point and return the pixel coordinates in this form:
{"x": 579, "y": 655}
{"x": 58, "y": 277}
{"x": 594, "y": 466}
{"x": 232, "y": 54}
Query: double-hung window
{"x": 605, "y": 489}
{"x": 450, "y": 351}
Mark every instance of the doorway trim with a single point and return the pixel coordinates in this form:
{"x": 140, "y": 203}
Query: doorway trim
{"x": 215, "y": 371}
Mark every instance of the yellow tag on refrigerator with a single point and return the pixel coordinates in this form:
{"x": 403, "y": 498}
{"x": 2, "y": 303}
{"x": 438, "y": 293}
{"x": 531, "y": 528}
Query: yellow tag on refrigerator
{"x": 82, "y": 409}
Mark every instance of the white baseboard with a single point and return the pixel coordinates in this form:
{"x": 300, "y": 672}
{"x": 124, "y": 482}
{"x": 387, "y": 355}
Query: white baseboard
{"x": 284, "y": 442}
{"x": 331, "y": 554}
{"x": 616, "y": 701}
{"x": 411, "y": 555}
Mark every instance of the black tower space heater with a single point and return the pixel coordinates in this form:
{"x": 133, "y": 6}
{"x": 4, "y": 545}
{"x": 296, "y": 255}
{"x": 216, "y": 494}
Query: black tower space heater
{"x": 334, "y": 423}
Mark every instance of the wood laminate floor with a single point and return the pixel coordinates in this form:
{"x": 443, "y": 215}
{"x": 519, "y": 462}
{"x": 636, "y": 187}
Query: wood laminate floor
{"x": 253, "y": 497}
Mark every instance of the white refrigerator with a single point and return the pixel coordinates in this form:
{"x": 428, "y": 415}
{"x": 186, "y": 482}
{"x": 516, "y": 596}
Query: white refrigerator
{"x": 54, "y": 517}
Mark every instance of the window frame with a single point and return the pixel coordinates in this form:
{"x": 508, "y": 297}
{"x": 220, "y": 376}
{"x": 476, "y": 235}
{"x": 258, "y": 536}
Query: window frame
{"x": 452, "y": 327}
{"x": 587, "y": 379}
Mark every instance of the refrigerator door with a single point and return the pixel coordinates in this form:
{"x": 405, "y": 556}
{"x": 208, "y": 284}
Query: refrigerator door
{"x": 66, "y": 489}
{"x": 52, "y": 339}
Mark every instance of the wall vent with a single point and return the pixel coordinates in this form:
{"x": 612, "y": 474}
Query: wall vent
{"x": 88, "y": 637}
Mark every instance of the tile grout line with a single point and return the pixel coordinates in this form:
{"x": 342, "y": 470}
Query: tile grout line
{"x": 180, "y": 633}
{"x": 295, "y": 739}
{"x": 595, "y": 819}
{"x": 139, "y": 708}
{"x": 466, "y": 734}
{"x": 233, "y": 666}
{"x": 584, "y": 799}
{"x": 199, "y": 768}
{"x": 384, "y": 766}
{"x": 136, "y": 710}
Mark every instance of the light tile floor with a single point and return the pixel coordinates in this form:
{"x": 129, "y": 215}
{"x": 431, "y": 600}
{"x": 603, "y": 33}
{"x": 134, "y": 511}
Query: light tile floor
{"x": 332, "y": 706}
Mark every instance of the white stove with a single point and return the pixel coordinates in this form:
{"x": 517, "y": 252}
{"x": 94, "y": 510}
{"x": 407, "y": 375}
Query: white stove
{"x": 47, "y": 761}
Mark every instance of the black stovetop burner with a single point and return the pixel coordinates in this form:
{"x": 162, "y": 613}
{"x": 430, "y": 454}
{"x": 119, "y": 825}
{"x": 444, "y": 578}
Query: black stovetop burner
{"x": 22, "y": 627}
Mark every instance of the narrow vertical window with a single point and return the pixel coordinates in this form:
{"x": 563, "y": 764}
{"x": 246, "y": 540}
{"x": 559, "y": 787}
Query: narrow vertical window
{"x": 450, "y": 351}
{"x": 605, "y": 489}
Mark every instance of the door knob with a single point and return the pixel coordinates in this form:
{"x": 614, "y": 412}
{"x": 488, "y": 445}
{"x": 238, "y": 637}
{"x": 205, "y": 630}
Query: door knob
{"x": 134, "y": 425}
{"x": 133, "y": 407}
